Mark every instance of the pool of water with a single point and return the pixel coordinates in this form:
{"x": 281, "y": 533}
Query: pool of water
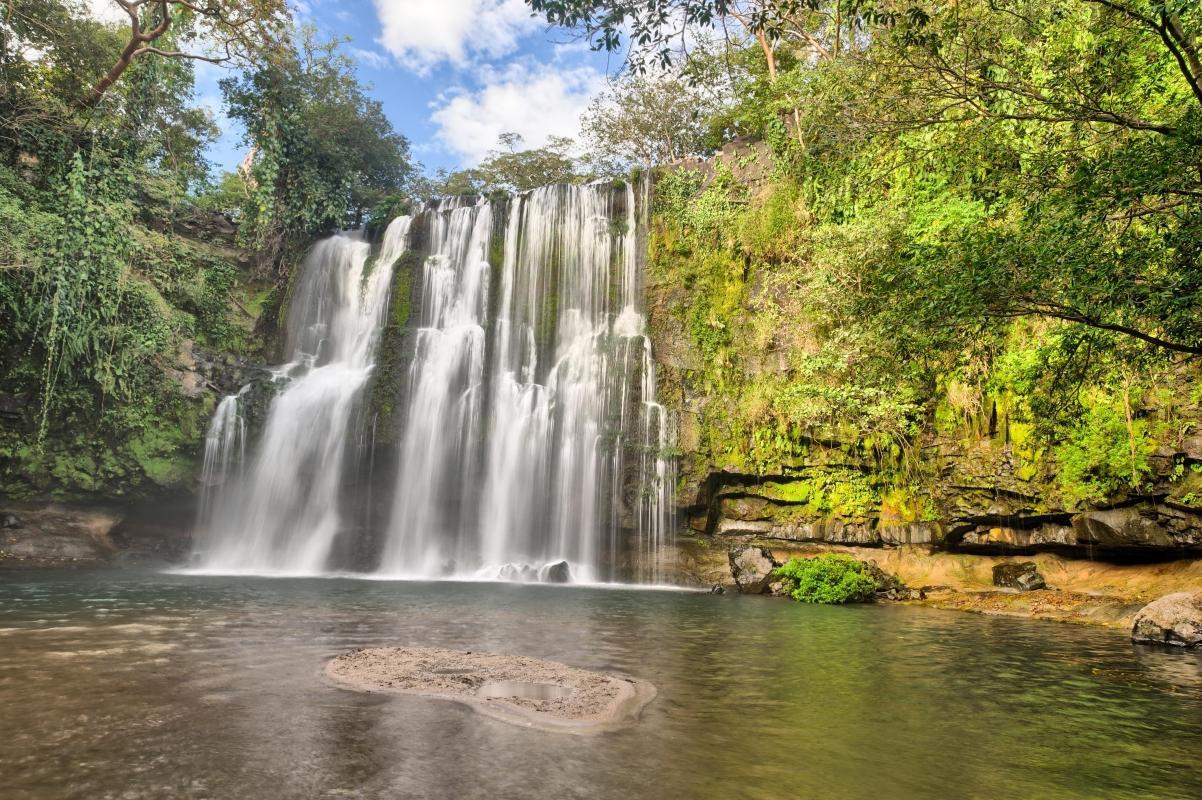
{"x": 126, "y": 685}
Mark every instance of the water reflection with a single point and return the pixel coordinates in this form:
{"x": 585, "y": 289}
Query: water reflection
{"x": 181, "y": 686}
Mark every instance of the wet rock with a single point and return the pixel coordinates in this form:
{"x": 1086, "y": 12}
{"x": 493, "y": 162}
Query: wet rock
{"x": 38, "y": 548}
{"x": 752, "y": 567}
{"x": 10, "y": 521}
{"x": 559, "y": 572}
{"x": 1023, "y": 576}
{"x": 1175, "y": 619}
{"x": 717, "y": 589}
{"x": 1120, "y": 528}
{"x": 518, "y": 572}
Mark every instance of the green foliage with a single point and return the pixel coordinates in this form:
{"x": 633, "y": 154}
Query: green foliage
{"x": 1102, "y": 456}
{"x": 100, "y": 297}
{"x": 829, "y": 579}
{"x": 325, "y": 152}
{"x": 508, "y": 168}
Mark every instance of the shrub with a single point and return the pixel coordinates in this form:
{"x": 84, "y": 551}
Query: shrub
{"x": 830, "y": 579}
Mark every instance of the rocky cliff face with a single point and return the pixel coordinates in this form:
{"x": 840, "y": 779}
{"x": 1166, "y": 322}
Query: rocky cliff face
{"x": 961, "y": 471}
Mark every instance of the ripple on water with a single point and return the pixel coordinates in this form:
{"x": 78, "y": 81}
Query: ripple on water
{"x": 212, "y": 688}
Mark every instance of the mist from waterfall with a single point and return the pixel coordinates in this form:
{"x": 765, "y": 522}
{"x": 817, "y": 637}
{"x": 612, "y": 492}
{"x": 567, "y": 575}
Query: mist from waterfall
{"x": 283, "y": 513}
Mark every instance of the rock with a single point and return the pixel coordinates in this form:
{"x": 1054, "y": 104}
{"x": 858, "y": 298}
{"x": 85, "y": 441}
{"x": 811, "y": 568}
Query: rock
{"x": 717, "y": 589}
{"x": 10, "y": 521}
{"x": 518, "y": 572}
{"x": 1120, "y": 527}
{"x": 1023, "y": 576}
{"x": 752, "y": 567}
{"x": 559, "y": 572}
{"x": 38, "y": 548}
{"x": 1175, "y": 619}
{"x": 889, "y": 587}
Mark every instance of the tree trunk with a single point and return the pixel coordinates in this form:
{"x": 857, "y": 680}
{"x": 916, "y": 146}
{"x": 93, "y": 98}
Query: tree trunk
{"x": 769, "y": 54}
{"x": 101, "y": 86}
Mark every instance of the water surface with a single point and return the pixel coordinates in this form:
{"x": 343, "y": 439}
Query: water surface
{"x": 125, "y": 685}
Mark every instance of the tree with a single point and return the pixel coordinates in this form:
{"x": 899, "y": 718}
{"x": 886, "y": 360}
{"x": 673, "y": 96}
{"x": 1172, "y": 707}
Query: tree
{"x": 232, "y": 29}
{"x": 507, "y": 168}
{"x": 649, "y": 120}
{"x": 324, "y": 151}
{"x": 662, "y": 28}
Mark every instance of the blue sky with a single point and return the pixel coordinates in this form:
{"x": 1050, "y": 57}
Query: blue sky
{"x": 452, "y": 75}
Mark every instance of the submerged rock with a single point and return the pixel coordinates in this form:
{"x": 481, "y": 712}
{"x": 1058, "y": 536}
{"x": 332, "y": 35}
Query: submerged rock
{"x": 1175, "y": 619}
{"x": 1023, "y": 576}
{"x": 524, "y": 691}
{"x": 752, "y": 567}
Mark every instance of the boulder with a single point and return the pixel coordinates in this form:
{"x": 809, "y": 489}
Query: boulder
{"x": 559, "y": 572}
{"x": 518, "y": 572}
{"x": 1023, "y": 576}
{"x": 10, "y": 521}
{"x": 1175, "y": 619}
{"x": 752, "y": 567}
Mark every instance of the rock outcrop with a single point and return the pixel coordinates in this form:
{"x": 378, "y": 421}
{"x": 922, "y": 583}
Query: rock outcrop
{"x": 1175, "y": 619}
{"x": 1023, "y": 576}
{"x": 752, "y": 568}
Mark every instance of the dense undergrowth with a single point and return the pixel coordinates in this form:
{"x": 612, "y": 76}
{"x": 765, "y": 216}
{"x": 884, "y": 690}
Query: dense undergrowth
{"x": 123, "y": 267}
{"x": 830, "y": 579}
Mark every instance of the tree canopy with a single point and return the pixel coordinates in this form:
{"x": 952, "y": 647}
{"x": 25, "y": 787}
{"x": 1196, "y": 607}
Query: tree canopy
{"x": 324, "y": 152}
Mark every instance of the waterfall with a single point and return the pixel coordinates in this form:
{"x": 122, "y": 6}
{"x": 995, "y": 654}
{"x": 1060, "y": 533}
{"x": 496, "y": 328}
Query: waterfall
{"x": 224, "y": 454}
{"x": 284, "y": 513}
{"x": 530, "y": 442}
{"x": 442, "y": 435}
{"x": 524, "y": 429}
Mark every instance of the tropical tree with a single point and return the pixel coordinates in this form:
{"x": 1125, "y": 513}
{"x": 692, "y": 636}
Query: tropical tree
{"x": 218, "y": 31}
{"x": 324, "y": 151}
{"x": 649, "y": 120}
{"x": 509, "y": 168}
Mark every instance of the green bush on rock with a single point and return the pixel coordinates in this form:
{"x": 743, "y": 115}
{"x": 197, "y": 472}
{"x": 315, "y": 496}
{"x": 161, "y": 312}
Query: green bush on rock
{"x": 830, "y": 579}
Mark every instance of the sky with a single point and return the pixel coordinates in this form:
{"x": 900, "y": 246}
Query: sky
{"x": 452, "y": 75}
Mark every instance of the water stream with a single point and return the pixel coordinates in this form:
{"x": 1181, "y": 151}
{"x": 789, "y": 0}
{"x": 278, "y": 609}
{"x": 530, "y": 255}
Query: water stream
{"x": 283, "y": 511}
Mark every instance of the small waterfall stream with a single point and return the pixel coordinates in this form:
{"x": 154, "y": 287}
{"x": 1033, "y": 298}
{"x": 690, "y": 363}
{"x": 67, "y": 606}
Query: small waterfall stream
{"x": 531, "y": 443}
{"x": 283, "y": 513}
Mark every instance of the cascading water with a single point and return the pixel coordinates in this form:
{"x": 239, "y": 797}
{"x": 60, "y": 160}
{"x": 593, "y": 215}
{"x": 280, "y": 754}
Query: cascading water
{"x": 531, "y": 443}
{"x": 523, "y": 430}
{"x": 283, "y": 514}
{"x": 225, "y": 452}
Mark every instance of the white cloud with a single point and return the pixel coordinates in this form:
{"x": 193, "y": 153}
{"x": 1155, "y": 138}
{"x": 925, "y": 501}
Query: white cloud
{"x": 527, "y": 98}
{"x": 424, "y": 33}
{"x": 370, "y": 58}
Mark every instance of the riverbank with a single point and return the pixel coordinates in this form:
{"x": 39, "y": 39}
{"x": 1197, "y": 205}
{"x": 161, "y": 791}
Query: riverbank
{"x": 1079, "y": 591}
